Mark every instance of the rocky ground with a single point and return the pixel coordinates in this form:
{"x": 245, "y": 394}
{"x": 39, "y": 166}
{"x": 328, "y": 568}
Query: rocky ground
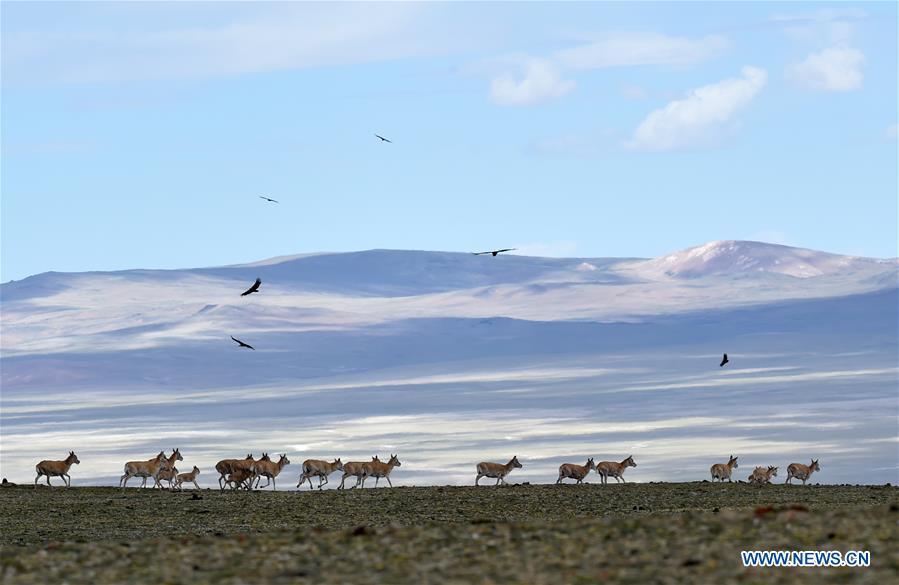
{"x": 634, "y": 533}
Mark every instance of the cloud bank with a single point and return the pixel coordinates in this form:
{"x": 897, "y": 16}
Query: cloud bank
{"x": 697, "y": 119}
{"x": 833, "y": 69}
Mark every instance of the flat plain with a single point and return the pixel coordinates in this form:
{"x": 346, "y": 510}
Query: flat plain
{"x": 633, "y": 533}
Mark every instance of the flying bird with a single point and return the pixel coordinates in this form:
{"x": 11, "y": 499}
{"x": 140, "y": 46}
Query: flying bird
{"x": 269, "y": 199}
{"x": 242, "y": 344}
{"x": 383, "y": 139}
{"x": 494, "y": 252}
{"x": 724, "y": 360}
{"x": 252, "y": 289}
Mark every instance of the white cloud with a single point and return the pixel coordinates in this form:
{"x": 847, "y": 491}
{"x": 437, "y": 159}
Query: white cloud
{"x": 634, "y": 49}
{"x": 542, "y": 77}
{"x": 541, "y": 82}
{"x": 274, "y": 37}
{"x": 833, "y": 69}
{"x": 695, "y": 120}
{"x": 823, "y": 27}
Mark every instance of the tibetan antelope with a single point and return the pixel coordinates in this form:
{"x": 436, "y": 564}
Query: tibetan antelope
{"x": 142, "y": 469}
{"x": 377, "y": 470}
{"x": 242, "y": 477}
{"x": 497, "y": 470}
{"x": 356, "y": 469}
{"x": 574, "y": 471}
{"x": 188, "y": 477}
{"x": 167, "y": 471}
{"x": 56, "y": 469}
{"x": 761, "y": 475}
{"x": 320, "y": 469}
{"x": 269, "y": 469}
{"x": 227, "y": 466}
{"x": 166, "y": 474}
{"x": 722, "y": 471}
{"x": 800, "y": 471}
{"x": 607, "y": 469}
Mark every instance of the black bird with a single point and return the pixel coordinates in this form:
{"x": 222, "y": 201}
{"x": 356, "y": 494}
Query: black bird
{"x": 724, "y": 360}
{"x": 252, "y": 289}
{"x": 242, "y": 344}
{"x": 383, "y": 139}
{"x": 494, "y": 252}
{"x": 269, "y": 199}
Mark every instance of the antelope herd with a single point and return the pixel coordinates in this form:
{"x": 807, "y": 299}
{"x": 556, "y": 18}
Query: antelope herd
{"x": 248, "y": 472}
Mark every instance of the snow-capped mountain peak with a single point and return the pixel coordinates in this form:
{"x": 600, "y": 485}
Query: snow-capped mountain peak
{"x": 735, "y": 257}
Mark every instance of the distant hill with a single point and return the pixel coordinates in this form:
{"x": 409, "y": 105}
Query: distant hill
{"x": 450, "y": 358}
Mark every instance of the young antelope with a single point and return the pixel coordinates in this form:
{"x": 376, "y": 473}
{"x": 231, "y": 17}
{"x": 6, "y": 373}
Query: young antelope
{"x": 267, "y": 468}
{"x": 761, "y": 475}
{"x": 574, "y": 471}
{"x": 143, "y": 469}
{"x": 356, "y": 469}
{"x": 722, "y": 471}
{"x": 800, "y": 471}
{"x": 188, "y": 477}
{"x": 318, "y": 468}
{"x": 56, "y": 469}
{"x": 226, "y": 466}
{"x": 378, "y": 470}
{"x": 241, "y": 477}
{"x": 607, "y": 469}
{"x": 497, "y": 470}
{"x": 167, "y": 471}
{"x": 166, "y": 474}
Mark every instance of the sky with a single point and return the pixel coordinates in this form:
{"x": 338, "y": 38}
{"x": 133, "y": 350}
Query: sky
{"x": 141, "y": 135}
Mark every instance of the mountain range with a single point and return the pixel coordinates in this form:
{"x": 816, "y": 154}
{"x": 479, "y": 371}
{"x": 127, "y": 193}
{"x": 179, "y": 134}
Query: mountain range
{"x": 450, "y": 358}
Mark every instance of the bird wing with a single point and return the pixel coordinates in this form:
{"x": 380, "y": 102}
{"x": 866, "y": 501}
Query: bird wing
{"x": 382, "y": 138}
{"x": 506, "y": 250}
{"x": 252, "y": 289}
{"x": 242, "y": 344}
{"x": 479, "y": 253}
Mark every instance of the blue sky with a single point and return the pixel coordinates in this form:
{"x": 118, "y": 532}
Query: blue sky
{"x": 141, "y": 134}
